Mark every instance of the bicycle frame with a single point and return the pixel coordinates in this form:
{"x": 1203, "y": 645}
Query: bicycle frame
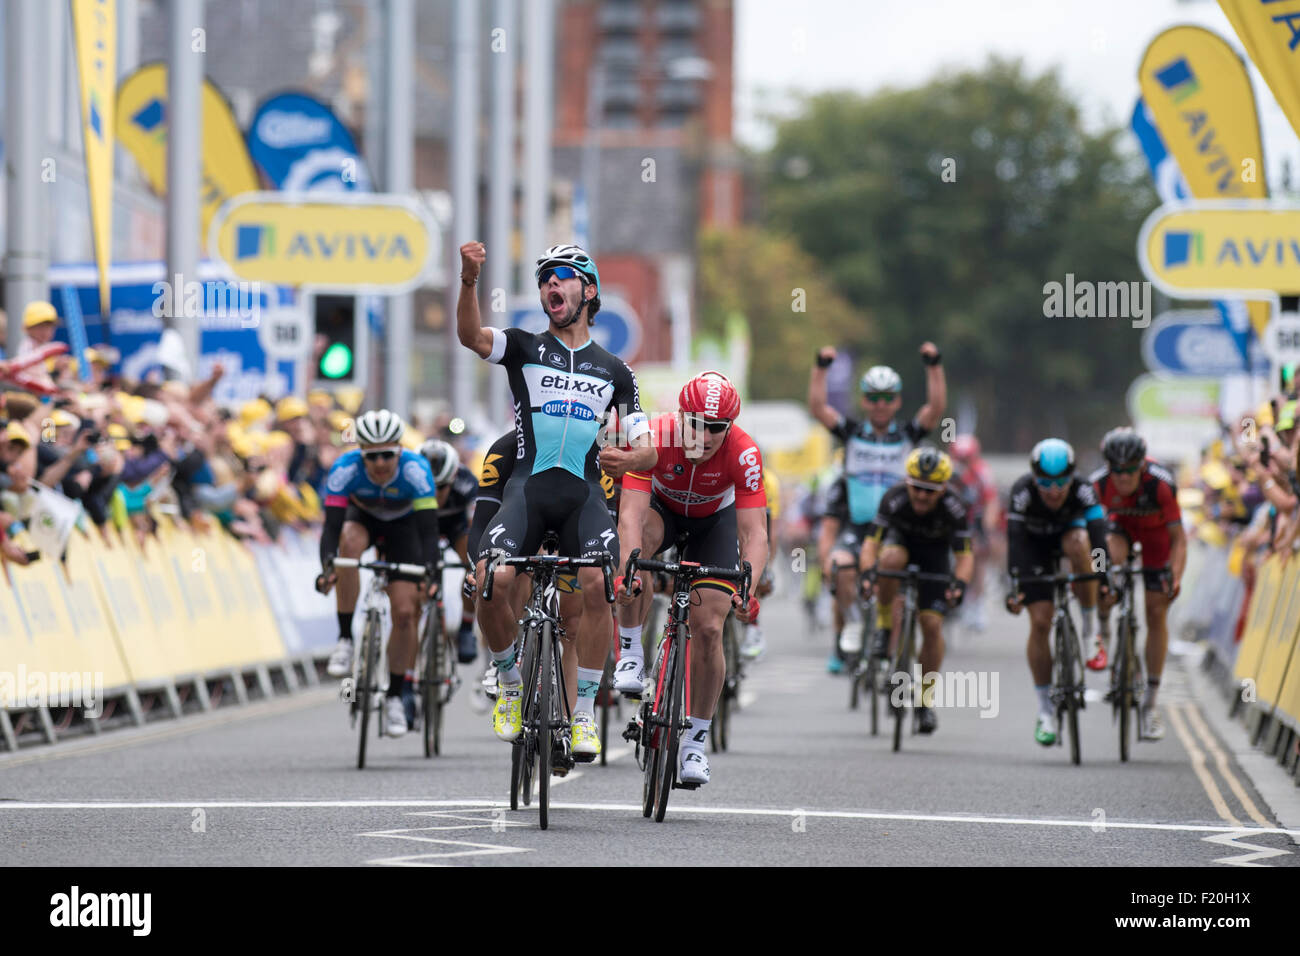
{"x": 910, "y": 579}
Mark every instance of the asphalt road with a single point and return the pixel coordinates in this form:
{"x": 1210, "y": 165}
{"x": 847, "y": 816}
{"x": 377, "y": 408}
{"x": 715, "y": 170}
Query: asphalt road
{"x": 804, "y": 783}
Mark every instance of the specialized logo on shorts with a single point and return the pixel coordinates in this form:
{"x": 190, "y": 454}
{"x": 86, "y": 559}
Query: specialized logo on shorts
{"x": 341, "y": 477}
{"x": 569, "y": 408}
{"x": 490, "y": 475}
{"x": 607, "y": 536}
{"x": 753, "y": 470}
{"x": 495, "y": 532}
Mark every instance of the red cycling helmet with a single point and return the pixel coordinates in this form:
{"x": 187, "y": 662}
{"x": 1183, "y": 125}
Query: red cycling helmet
{"x": 710, "y": 394}
{"x": 965, "y": 447}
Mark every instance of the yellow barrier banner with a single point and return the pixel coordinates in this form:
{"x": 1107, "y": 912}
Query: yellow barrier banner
{"x": 227, "y": 169}
{"x": 195, "y": 639}
{"x": 1281, "y": 637}
{"x": 1288, "y": 698}
{"x": 234, "y": 568}
{"x": 1259, "y": 619}
{"x": 36, "y": 640}
{"x": 149, "y": 657}
{"x": 96, "y": 647}
{"x": 94, "y": 28}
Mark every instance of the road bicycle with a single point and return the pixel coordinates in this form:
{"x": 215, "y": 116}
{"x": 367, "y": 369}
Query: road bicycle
{"x": 661, "y": 718}
{"x": 904, "y": 690}
{"x": 1127, "y": 680}
{"x": 437, "y": 679}
{"x": 1067, "y": 653}
{"x": 544, "y": 741}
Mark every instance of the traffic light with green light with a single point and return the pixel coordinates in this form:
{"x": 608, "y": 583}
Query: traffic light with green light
{"x": 336, "y": 331}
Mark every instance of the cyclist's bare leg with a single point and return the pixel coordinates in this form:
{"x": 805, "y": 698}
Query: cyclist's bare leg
{"x": 497, "y": 618}
{"x": 596, "y": 629}
{"x": 846, "y": 583}
{"x": 708, "y": 665}
{"x": 353, "y": 540}
{"x": 892, "y": 558}
{"x": 1039, "y": 650}
{"x": 1157, "y": 610}
{"x": 931, "y": 654}
{"x": 404, "y": 598}
{"x": 827, "y": 532}
{"x": 460, "y": 546}
{"x": 652, "y": 535}
{"x": 1075, "y": 545}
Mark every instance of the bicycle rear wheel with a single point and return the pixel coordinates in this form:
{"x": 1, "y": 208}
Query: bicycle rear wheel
{"x": 521, "y": 751}
{"x": 674, "y": 690}
{"x": 608, "y": 702}
{"x": 546, "y": 655}
{"x": 718, "y": 730}
{"x": 431, "y": 680}
{"x": 366, "y": 679}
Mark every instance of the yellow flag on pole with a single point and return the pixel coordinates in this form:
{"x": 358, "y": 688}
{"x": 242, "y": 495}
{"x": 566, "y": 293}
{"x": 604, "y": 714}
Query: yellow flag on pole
{"x": 94, "y": 26}
{"x": 1270, "y": 31}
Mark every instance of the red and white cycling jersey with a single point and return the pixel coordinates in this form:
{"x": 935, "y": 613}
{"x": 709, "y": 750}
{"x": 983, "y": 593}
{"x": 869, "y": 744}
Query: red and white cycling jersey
{"x": 734, "y": 475}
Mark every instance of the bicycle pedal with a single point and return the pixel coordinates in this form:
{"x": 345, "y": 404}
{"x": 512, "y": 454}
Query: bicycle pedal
{"x": 632, "y": 732}
{"x": 585, "y": 758}
{"x": 631, "y": 695}
{"x": 685, "y": 786}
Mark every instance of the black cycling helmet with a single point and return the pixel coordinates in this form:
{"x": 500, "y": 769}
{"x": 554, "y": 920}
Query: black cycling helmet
{"x": 1123, "y": 445}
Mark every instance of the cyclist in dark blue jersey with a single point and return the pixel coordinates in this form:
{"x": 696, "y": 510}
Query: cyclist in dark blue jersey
{"x": 457, "y": 489}
{"x": 564, "y": 386}
{"x": 384, "y": 495}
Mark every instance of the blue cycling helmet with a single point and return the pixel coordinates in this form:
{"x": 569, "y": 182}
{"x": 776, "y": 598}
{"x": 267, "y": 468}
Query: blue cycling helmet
{"x": 1052, "y": 458}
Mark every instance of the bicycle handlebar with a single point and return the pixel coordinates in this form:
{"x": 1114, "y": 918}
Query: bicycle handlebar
{"x": 1059, "y": 578}
{"x": 917, "y": 575}
{"x": 533, "y": 562}
{"x": 385, "y": 567}
{"x": 691, "y": 571}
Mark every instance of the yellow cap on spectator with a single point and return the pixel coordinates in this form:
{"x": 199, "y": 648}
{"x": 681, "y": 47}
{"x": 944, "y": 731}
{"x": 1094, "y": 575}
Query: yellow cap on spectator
{"x": 350, "y": 399}
{"x": 121, "y": 437}
{"x": 277, "y": 439}
{"x": 1264, "y": 414}
{"x": 289, "y": 408}
{"x": 340, "y": 420}
{"x": 133, "y": 407}
{"x": 319, "y": 398}
{"x": 38, "y": 312}
{"x": 16, "y": 432}
{"x": 62, "y": 419}
{"x": 250, "y": 413}
{"x": 1215, "y": 475}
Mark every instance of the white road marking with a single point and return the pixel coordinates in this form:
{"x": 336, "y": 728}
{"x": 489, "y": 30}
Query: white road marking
{"x": 1088, "y": 822}
{"x": 1259, "y": 852}
{"x": 463, "y": 847}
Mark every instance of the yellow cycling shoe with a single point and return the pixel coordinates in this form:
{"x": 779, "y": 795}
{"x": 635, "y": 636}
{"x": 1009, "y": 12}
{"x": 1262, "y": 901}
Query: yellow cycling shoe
{"x": 585, "y": 740}
{"x": 508, "y": 715}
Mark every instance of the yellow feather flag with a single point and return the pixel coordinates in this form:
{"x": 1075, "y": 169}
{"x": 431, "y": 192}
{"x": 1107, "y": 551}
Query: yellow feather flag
{"x": 94, "y": 26}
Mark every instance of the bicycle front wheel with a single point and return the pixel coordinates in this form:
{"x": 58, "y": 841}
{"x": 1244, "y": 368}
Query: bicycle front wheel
{"x": 903, "y": 691}
{"x": 1067, "y": 647}
{"x": 545, "y": 701}
{"x": 1124, "y": 689}
{"x": 367, "y": 679}
{"x": 653, "y": 731}
{"x": 670, "y": 734}
{"x": 521, "y": 751}
{"x": 730, "y": 687}
{"x": 431, "y": 681}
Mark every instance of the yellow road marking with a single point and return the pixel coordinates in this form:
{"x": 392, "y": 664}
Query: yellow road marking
{"x": 1198, "y": 766}
{"x": 1197, "y": 723}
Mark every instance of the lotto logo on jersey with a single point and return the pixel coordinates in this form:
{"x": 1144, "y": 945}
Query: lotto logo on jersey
{"x": 753, "y": 470}
{"x": 569, "y": 409}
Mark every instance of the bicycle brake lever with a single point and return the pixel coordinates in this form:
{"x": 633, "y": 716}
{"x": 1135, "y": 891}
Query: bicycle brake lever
{"x": 628, "y": 577}
{"x": 607, "y": 570}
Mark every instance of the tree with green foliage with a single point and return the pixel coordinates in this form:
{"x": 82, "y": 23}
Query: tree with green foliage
{"x": 943, "y": 212}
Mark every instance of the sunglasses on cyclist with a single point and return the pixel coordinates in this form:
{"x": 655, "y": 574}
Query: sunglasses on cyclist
{"x": 379, "y": 455}
{"x": 699, "y": 425}
{"x": 1060, "y": 482}
{"x": 560, "y": 272}
{"x": 878, "y": 396}
{"x": 1126, "y": 469}
{"x": 921, "y": 489}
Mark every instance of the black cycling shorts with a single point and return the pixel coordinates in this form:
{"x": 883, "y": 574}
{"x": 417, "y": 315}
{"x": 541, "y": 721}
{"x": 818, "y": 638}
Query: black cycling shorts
{"x": 932, "y": 557}
{"x": 397, "y": 541}
{"x": 1044, "y": 554}
{"x": 452, "y": 526}
{"x": 554, "y": 500}
{"x": 712, "y": 541}
{"x": 851, "y": 537}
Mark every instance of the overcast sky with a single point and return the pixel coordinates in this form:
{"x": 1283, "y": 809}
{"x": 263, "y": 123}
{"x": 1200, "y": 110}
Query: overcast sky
{"x": 864, "y": 45}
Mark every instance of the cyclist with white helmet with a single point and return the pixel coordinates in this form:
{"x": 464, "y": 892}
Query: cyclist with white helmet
{"x": 875, "y": 449}
{"x": 1052, "y": 512}
{"x": 563, "y": 385}
{"x": 457, "y": 488}
{"x": 380, "y": 494}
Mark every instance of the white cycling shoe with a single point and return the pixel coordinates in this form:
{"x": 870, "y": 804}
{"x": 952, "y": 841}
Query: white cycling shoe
{"x": 629, "y": 676}
{"x": 1153, "y": 728}
{"x": 694, "y": 767}
{"x": 395, "y": 714}
{"x": 340, "y": 662}
{"x": 851, "y": 638}
{"x": 753, "y": 646}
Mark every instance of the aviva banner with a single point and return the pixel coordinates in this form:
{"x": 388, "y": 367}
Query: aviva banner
{"x": 1200, "y": 96}
{"x": 142, "y": 127}
{"x": 1222, "y": 248}
{"x": 1270, "y": 31}
{"x": 94, "y": 26}
{"x": 344, "y": 242}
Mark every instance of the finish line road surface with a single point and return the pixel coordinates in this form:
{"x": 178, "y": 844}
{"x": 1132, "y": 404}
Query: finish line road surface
{"x": 803, "y": 783}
